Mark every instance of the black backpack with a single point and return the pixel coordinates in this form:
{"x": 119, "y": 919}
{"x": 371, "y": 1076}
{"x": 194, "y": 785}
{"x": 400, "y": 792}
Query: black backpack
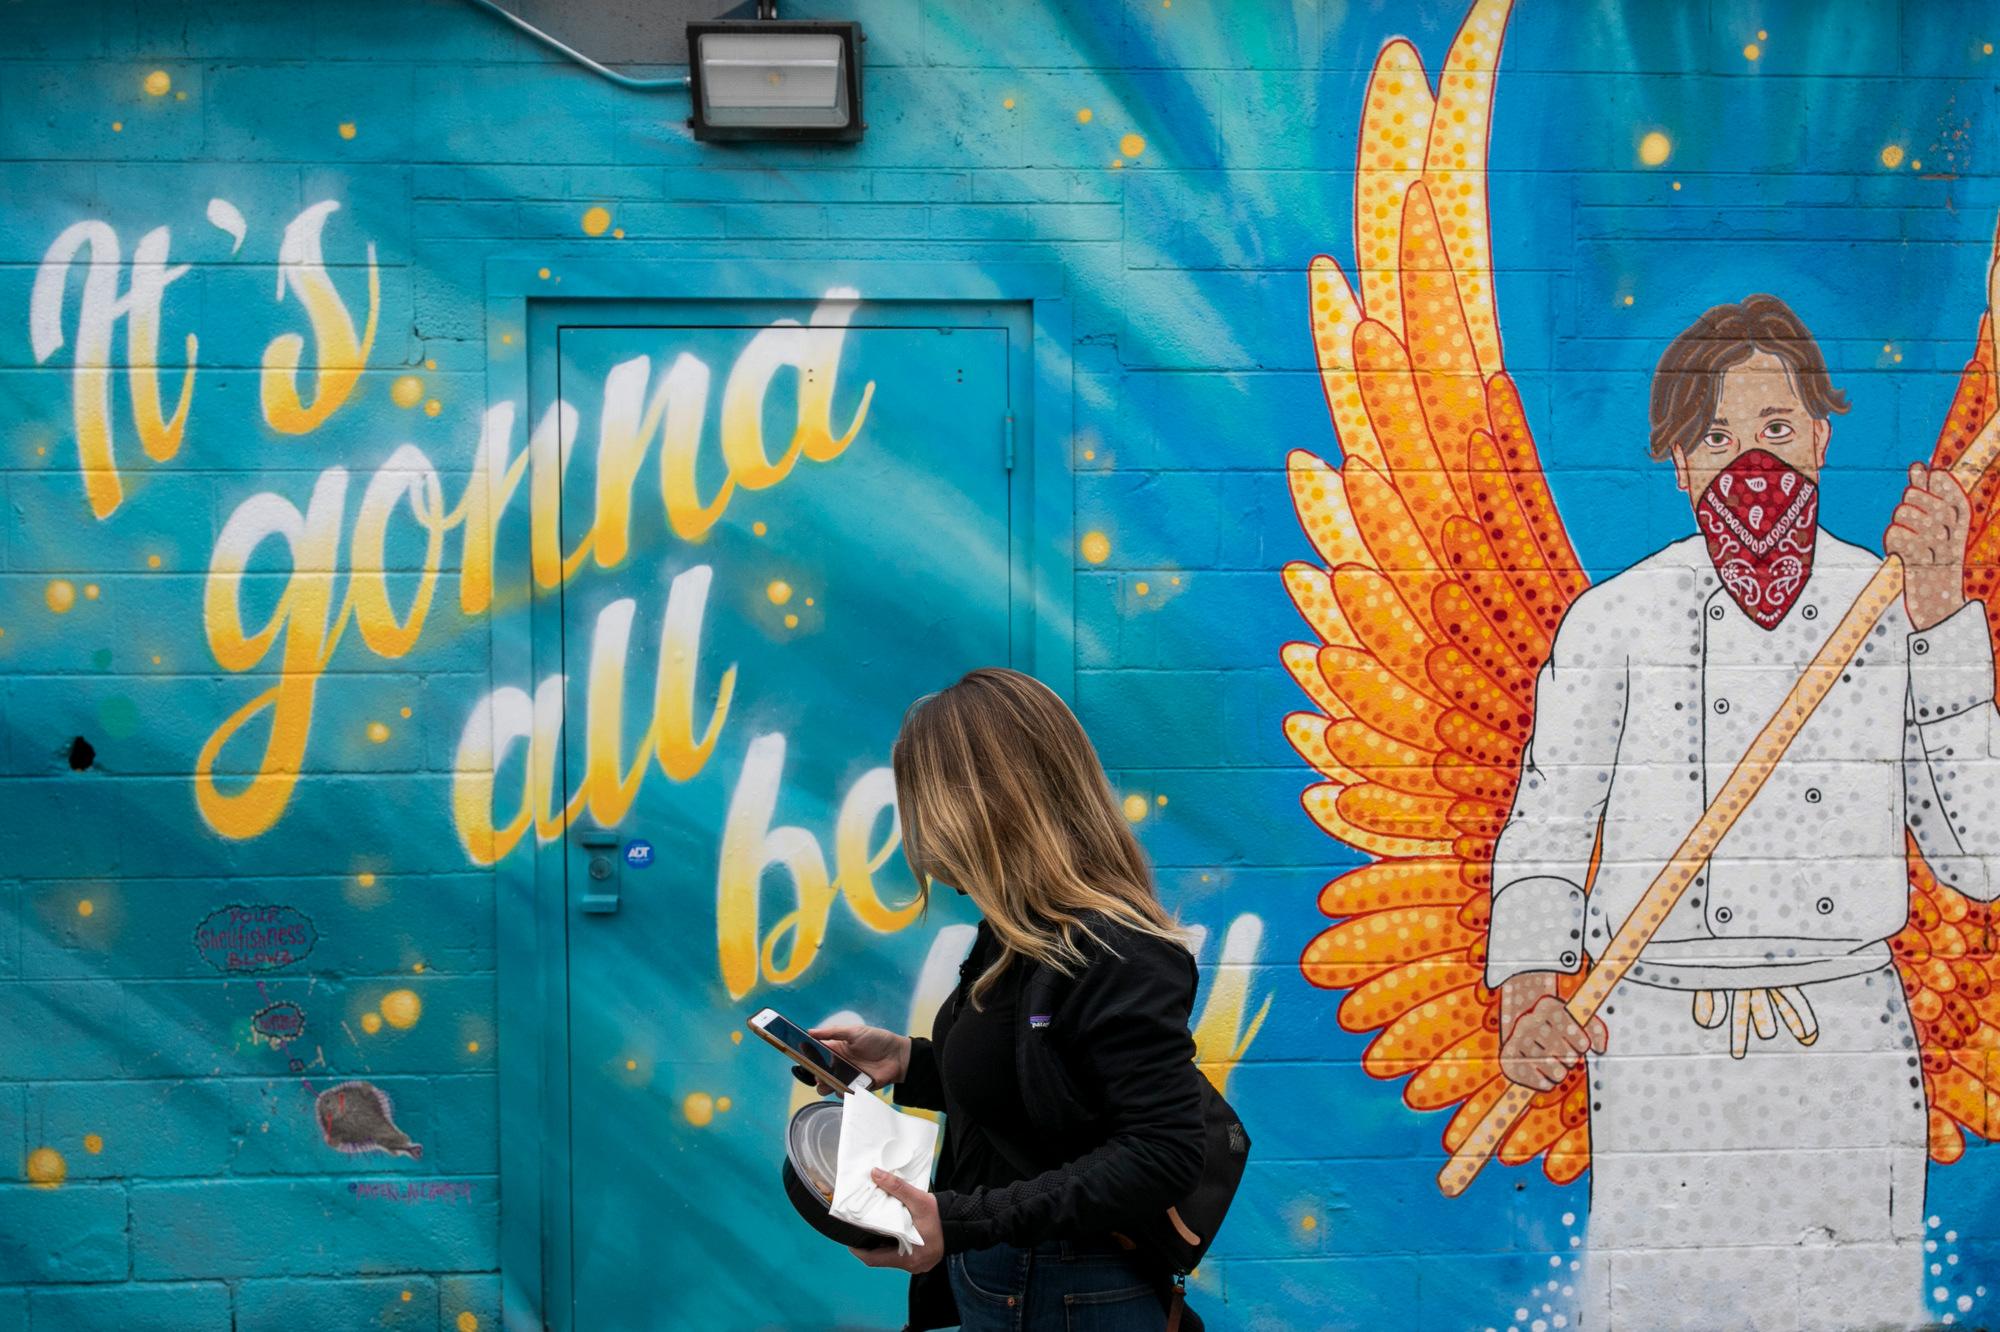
{"x": 1181, "y": 1235}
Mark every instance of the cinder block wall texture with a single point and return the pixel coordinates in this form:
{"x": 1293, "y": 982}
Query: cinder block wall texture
{"x": 256, "y": 952}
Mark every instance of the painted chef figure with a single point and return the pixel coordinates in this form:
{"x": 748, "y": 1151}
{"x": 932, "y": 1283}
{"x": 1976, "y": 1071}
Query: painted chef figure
{"x": 1757, "y": 1119}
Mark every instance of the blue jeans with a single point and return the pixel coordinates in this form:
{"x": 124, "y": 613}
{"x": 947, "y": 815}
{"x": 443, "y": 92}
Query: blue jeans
{"x": 1058, "y": 1286}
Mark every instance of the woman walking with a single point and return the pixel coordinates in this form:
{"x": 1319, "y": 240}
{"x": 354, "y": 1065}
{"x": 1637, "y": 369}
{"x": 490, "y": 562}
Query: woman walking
{"x": 1062, "y": 1061}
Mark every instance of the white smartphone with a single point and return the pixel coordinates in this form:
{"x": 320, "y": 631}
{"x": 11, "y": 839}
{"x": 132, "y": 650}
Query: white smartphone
{"x": 833, "y": 1072}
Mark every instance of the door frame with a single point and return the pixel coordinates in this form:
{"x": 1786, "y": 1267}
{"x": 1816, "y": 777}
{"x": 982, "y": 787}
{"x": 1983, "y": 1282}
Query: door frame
{"x": 530, "y": 888}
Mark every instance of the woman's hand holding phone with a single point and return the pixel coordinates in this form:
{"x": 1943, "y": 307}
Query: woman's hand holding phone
{"x": 882, "y": 1055}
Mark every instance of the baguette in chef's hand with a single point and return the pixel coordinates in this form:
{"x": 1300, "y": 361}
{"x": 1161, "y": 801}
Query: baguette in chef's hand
{"x": 1541, "y": 1042}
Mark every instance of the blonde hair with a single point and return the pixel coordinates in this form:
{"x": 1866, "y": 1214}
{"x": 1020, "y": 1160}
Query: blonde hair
{"x": 1002, "y": 795}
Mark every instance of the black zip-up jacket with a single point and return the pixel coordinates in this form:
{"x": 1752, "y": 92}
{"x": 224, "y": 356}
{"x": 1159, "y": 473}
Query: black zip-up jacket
{"x": 1113, "y": 1099}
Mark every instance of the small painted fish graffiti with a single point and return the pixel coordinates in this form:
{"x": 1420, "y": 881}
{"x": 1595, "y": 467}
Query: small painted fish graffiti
{"x": 356, "y": 1117}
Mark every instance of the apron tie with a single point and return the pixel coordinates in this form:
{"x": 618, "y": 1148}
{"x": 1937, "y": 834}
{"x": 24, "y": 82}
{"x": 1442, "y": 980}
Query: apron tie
{"x": 1758, "y": 1007}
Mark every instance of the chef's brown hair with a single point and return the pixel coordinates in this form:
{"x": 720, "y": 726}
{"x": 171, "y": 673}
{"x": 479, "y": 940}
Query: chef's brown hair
{"x": 1001, "y": 794}
{"x": 1688, "y": 379}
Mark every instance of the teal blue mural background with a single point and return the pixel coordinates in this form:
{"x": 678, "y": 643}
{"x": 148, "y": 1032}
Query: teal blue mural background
{"x": 195, "y": 1184}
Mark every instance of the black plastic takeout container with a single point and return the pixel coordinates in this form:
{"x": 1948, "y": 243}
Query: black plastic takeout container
{"x": 812, "y": 1146}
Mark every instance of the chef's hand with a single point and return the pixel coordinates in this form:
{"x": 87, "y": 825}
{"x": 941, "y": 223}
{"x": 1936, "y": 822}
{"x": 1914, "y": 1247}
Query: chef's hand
{"x": 1541, "y": 1041}
{"x": 882, "y": 1055}
{"x": 924, "y": 1211}
{"x": 1929, "y": 532}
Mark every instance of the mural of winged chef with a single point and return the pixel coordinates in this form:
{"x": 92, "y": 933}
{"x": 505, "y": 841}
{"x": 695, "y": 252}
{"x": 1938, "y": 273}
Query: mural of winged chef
{"x": 1807, "y": 1017}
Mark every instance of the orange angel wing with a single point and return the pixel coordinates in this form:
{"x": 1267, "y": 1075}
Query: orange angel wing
{"x": 1946, "y": 954}
{"x": 1443, "y": 572}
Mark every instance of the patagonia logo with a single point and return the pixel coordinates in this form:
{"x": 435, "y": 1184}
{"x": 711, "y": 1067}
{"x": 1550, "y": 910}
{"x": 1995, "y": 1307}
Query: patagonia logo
{"x": 1037, "y": 1021}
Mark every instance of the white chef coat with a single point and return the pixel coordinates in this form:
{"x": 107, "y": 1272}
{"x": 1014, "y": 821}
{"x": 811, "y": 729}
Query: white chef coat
{"x": 1655, "y": 686}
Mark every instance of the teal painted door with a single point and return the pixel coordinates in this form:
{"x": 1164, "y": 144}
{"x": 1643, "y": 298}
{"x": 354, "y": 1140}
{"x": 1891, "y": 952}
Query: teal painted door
{"x": 817, "y": 533}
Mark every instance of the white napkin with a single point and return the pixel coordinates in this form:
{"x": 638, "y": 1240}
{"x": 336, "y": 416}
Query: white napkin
{"x": 874, "y": 1136}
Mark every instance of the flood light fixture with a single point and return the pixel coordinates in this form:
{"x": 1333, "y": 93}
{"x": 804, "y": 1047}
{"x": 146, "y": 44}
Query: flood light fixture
{"x": 775, "y": 79}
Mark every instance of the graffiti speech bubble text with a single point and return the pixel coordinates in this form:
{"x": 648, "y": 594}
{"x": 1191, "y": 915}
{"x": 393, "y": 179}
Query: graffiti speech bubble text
{"x": 238, "y": 939}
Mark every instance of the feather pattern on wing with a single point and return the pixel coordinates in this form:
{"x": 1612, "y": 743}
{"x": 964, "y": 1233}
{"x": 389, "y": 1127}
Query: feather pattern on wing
{"x": 1444, "y": 572}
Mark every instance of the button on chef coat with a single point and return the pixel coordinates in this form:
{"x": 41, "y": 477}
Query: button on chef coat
{"x": 1657, "y": 684}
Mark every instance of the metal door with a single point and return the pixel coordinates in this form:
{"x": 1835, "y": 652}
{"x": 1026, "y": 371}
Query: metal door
{"x": 779, "y": 525}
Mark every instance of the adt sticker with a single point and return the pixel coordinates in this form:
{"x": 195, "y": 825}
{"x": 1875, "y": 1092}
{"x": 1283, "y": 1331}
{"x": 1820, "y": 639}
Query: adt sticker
{"x": 638, "y": 853}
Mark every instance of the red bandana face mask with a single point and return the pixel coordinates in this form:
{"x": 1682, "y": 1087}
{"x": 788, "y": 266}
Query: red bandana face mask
{"x": 1760, "y": 516}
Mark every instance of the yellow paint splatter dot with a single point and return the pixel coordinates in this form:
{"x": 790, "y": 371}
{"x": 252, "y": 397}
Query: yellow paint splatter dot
{"x": 378, "y": 731}
{"x": 1204, "y": 878}
{"x": 92, "y": 1143}
{"x": 406, "y": 1297}
{"x": 90, "y": 592}
{"x": 759, "y": 528}
{"x": 1763, "y": 36}
{"x": 1898, "y": 358}
{"x": 468, "y": 1321}
{"x": 618, "y": 233}
{"x": 418, "y": 968}
{"x": 1987, "y": 49}
{"x": 156, "y": 658}
{"x": 1628, "y": 300}
{"x": 433, "y": 407}
{"x": 1309, "y": 1223}
{"x": 60, "y": 594}
{"x": 152, "y": 561}
{"x": 1677, "y": 186}
{"x": 117, "y": 127}
{"x": 1117, "y": 164}
{"x": 791, "y": 622}
{"x": 472, "y": 1047}
{"x": 407, "y": 391}
{"x": 46, "y": 1167}
{"x": 722, "y": 1104}
{"x": 1142, "y": 587}
{"x": 543, "y": 274}
{"x": 1175, "y": 580}
{"x": 158, "y": 83}
{"x": 699, "y": 1107}
{"x": 1916, "y": 164}
{"x": 1161, "y": 801}
{"x": 1096, "y": 547}
{"x": 371, "y": 1023}
{"x": 1135, "y": 808}
{"x": 41, "y": 450}
{"x": 366, "y": 878}
{"x": 1132, "y": 145}
{"x": 1654, "y": 148}
{"x": 809, "y": 601}
{"x": 631, "y": 1064}
{"x": 736, "y": 1038}
{"x": 180, "y": 97}
{"x": 779, "y": 592}
{"x": 346, "y": 129}
{"x": 1090, "y": 455}
{"x": 1083, "y": 115}
{"x": 506, "y": 339}
{"x": 1007, "y": 103}
{"x": 85, "y": 906}
{"x": 401, "y": 1009}
{"x": 596, "y": 221}
{"x": 430, "y": 363}
{"x": 1892, "y": 156}
{"x": 1751, "y": 51}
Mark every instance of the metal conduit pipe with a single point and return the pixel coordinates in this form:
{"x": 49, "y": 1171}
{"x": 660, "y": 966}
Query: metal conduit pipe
{"x": 622, "y": 80}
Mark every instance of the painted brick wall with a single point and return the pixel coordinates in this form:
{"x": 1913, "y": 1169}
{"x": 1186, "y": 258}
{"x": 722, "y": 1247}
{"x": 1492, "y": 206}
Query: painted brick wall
{"x": 165, "y": 1157}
